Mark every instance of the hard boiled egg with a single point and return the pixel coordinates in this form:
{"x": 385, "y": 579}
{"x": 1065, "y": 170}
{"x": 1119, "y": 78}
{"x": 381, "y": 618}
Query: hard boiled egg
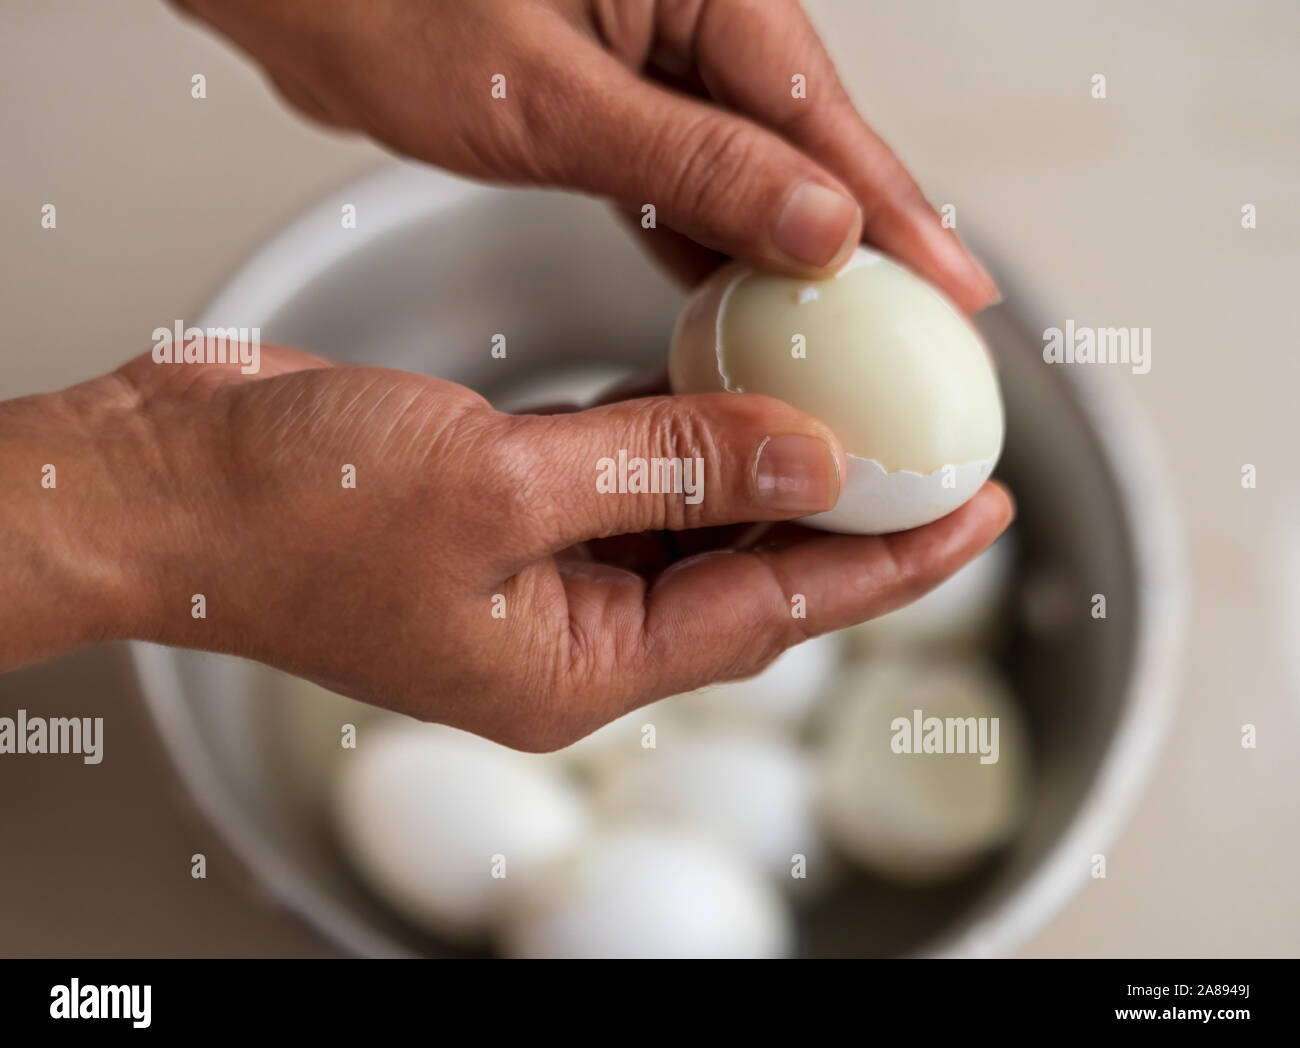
{"x": 876, "y": 353}
{"x": 752, "y": 792}
{"x": 897, "y": 796}
{"x": 439, "y": 822}
{"x": 641, "y": 891}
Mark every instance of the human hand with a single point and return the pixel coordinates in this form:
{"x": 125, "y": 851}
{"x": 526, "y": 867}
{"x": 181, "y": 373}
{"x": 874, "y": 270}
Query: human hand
{"x": 182, "y": 480}
{"x": 688, "y": 106}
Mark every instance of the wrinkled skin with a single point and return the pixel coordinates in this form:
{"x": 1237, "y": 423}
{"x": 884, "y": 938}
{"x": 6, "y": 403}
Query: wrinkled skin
{"x": 178, "y": 480}
{"x": 183, "y": 480}
{"x": 686, "y": 105}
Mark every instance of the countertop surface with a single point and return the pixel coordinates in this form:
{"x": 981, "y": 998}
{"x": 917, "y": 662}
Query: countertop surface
{"x": 1118, "y": 212}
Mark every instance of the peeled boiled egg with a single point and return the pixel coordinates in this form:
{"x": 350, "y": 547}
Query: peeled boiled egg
{"x": 875, "y": 352}
{"x": 896, "y": 794}
{"x": 439, "y": 822}
{"x": 751, "y": 791}
{"x": 643, "y": 891}
{"x": 782, "y": 694}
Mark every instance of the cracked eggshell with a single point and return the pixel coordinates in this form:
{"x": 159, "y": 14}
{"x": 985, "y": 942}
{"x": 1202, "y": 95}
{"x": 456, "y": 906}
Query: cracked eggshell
{"x": 891, "y": 365}
{"x": 646, "y": 892}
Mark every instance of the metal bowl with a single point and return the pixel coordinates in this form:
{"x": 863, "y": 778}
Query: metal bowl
{"x": 434, "y": 268}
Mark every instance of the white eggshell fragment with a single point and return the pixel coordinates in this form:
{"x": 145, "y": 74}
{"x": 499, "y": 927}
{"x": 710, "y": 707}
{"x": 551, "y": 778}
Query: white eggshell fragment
{"x": 923, "y": 816}
{"x": 429, "y": 814}
{"x": 750, "y": 791}
{"x": 642, "y": 891}
{"x": 876, "y": 353}
{"x": 964, "y": 612}
{"x": 781, "y": 695}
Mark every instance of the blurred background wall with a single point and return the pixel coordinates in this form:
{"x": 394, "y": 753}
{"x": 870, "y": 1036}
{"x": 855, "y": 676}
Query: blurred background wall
{"x": 1119, "y": 212}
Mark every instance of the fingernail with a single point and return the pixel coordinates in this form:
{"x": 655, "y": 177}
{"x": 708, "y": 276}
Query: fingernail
{"x": 817, "y": 225}
{"x": 796, "y": 474}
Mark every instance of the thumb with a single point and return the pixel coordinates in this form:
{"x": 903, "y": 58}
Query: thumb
{"x": 674, "y": 463}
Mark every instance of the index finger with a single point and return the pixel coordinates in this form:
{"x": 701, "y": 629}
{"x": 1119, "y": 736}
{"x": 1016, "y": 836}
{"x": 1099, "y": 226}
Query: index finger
{"x": 727, "y": 613}
{"x": 748, "y": 52}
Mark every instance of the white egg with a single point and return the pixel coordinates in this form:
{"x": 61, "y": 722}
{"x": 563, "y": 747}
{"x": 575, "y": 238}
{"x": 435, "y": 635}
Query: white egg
{"x": 876, "y": 353}
{"x": 752, "y": 792}
{"x": 624, "y": 739}
{"x": 911, "y": 814}
{"x": 782, "y": 695}
{"x": 965, "y": 612}
{"x": 431, "y": 817}
{"x": 642, "y": 891}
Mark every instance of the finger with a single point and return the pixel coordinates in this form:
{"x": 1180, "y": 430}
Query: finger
{"x": 716, "y": 177}
{"x": 671, "y": 463}
{"x": 679, "y": 256}
{"x": 148, "y": 376}
{"x": 726, "y": 614}
{"x": 734, "y": 41}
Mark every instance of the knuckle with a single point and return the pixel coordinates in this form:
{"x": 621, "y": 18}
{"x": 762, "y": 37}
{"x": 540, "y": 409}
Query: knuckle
{"x": 511, "y": 466}
{"x": 717, "y": 165}
{"x": 680, "y": 437}
{"x": 551, "y": 109}
{"x": 557, "y": 680}
{"x": 578, "y": 686}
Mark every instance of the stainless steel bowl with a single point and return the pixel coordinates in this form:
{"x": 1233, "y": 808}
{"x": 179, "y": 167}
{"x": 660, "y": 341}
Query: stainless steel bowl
{"x": 434, "y": 268}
